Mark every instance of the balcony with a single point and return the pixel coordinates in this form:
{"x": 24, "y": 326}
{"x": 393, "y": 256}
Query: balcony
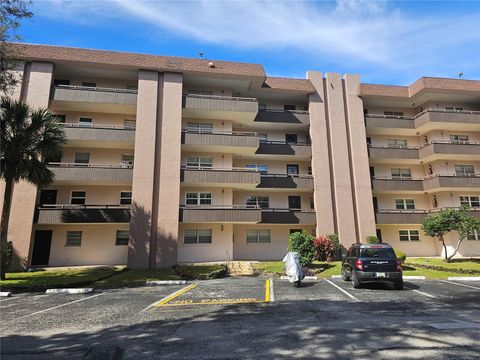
{"x": 394, "y": 217}
{"x": 216, "y": 214}
{"x": 99, "y": 136}
{"x": 285, "y": 181}
{"x": 283, "y": 116}
{"x": 219, "y": 107}
{"x": 288, "y": 216}
{"x": 94, "y": 99}
{"x": 81, "y": 214}
{"x": 427, "y": 184}
{"x": 91, "y": 174}
{"x": 381, "y": 152}
{"x": 234, "y": 141}
{"x": 285, "y": 150}
{"x": 235, "y": 177}
{"x": 397, "y": 184}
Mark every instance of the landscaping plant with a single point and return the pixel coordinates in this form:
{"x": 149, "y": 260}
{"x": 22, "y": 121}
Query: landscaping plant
{"x": 400, "y": 255}
{"x": 324, "y": 248}
{"x": 302, "y": 243}
{"x": 337, "y": 247}
{"x": 372, "y": 239}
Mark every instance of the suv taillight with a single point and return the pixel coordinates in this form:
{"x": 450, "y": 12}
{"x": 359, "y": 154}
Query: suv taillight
{"x": 359, "y": 265}
{"x": 399, "y": 265}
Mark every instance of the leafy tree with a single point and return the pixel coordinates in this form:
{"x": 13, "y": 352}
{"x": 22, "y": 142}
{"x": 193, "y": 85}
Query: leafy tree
{"x": 11, "y": 14}
{"x": 372, "y": 239}
{"x": 28, "y": 139}
{"x": 447, "y": 220}
{"x": 302, "y": 243}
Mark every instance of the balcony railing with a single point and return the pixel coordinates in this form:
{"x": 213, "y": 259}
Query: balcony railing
{"x": 414, "y": 216}
{"x": 96, "y": 173}
{"x": 70, "y": 93}
{"x": 430, "y": 182}
{"x": 224, "y": 139}
{"x": 420, "y": 152}
{"x": 81, "y": 214}
{"x": 99, "y": 133}
{"x": 239, "y": 176}
{"x": 216, "y": 213}
{"x": 283, "y": 116}
{"x": 288, "y": 216}
{"x": 286, "y": 181}
{"x": 300, "y": 149}
{"x": 219, "y": 103}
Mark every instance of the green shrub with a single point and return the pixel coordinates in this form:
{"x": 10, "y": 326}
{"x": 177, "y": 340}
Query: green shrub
{"x": 372, "y": 239}
{"x": 337, "y": 247}
{"x": 400, "y": 255}
{"x": 302, "y": 243}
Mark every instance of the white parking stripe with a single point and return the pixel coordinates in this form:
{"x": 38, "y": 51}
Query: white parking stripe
{"x": 272, "y": 296}
{"x": 345, "y": 292}
{"x": 467, "y": 286}
{"x": 62, "y": 305}
{"x": 420, "y": 292}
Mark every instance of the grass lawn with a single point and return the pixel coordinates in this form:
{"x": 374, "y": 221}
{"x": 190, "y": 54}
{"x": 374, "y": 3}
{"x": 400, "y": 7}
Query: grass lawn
{"x": 137, "y": 278}
{"x": 55, "y": 278}
{"x": 457, "y": 264}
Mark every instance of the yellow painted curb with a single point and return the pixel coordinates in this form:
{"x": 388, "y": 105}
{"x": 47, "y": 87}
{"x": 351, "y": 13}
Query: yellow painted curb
{"x": 175, "y": 295}
{"x": 267, "y": 291}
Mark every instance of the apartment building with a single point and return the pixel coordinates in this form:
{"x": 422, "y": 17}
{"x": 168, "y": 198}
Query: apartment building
{"x": 173, "y": 160}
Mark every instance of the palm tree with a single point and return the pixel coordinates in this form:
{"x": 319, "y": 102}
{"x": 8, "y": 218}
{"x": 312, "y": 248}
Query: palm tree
{"x": 28, "y": 140}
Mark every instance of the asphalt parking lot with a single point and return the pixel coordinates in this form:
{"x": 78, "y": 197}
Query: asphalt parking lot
{"x": 250, "y": 317}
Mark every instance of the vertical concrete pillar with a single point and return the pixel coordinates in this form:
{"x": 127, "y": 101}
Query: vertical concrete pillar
{"x": 169, "y": 141}
{"x": 37, "y": 94}
{"x": 339, "y": 155}
{"x": 141, "y": 225}
{"x": 322, "y": 195}
{"x": 359, "y": 159}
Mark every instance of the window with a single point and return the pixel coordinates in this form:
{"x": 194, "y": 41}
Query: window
{"x": 200, "y": 127}
{"x": 464, "y": 170}
{"x": 89, "y": 84}
{"x": 459, "y": 138}
{"x": 400, "y": 173}
{"x": 309, "y": 170}
{"x": 403, "y": 204}
{"x": 61, "y": 118}
{"x": 57, "y": 82}
{"x": 85, "y": 121}
{"x": 121, "y": 238}
{"x": 453, "y": 108}
{"x": 294, "y": 202}
{"x": 125, "y": 197}
{"x": 474, "y": 236}
{"x": 262, "y": 138}
{"x": 129, "y": 124}
{"x": 262, "y": 168}
{"x": 312, "y": 204}
{"x": 471, "y": 201}
{"x": 292, "y": 169}
{"x": 197, "y": 236}
{"x": 82, "y": 158}
{"x": 199, "y": 162}
{"x": 261, "y": 201}
{"x": 289, "y": 107}
{"x": 262, "y": 106}
{"x": 409, "y": 235}
{"x": 78, "y": 197}
{"x": 74, "y": 238}
{"x": 393, "y": 113}
{"x": 193, "y": 198}
{"x": 200, "y": 92}
{"x": 258, "y": 236}
{"x": 397, "y": 143}
{"x": 291, "y": 138}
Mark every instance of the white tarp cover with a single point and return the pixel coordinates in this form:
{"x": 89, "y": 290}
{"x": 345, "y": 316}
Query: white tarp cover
{"x": 293, "y": 267}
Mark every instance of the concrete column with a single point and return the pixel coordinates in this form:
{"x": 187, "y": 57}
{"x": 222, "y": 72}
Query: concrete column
{"x": 169, "y": 141}
{"x": 37, "y": 94}
{"x": 322, "y": 195}
{"x": 339, "y": 155}
{"x": 141, "y": 225}
{"x": 359, "y": 159}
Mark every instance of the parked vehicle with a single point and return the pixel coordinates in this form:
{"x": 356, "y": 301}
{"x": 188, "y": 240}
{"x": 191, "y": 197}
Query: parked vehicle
{"x": 365, "y": 263}
{"x": 293, "y": 268}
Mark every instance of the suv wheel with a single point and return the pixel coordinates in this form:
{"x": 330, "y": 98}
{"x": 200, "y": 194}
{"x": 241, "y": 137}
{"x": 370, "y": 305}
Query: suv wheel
{"x": 345, "y": 277}
{"x": 398, "y": 285}
{"x": 355, "y": 282}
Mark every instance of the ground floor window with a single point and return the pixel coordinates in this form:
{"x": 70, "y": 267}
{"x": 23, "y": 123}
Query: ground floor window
{"x": 197, "y": 236}
{"x": 409, "y": 235}
{"x": 261, "y": 201}
{"x": 121, "y": 238}
{"x": 258, "y": 236}
{"x": 474, "y": 236}
{"x": 471, "y": 201}
{"x": 74, "y": 238}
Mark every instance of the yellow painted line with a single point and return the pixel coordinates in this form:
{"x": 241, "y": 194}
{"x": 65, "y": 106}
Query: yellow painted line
{"x": 267, "y": 291}
{"x": 175, "y": 295}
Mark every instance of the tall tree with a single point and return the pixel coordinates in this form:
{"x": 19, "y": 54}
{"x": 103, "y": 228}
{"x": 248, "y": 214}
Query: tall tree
{"x": 11, "y": 14}
{"x": 28, "y": 139}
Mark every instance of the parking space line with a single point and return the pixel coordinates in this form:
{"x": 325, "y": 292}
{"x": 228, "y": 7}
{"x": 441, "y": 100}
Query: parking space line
{"x": 272, "y": 296}
{"x": 345, "y": 292}
{"x": 62, "y": 305}
{"x": 267, "y": 291}
{"x": 163, "y": 301}
{"x": 420, "y": 292}
{"x": 464, "y": 285}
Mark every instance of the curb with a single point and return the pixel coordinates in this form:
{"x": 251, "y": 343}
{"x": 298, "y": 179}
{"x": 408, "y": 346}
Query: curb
{"x": 305, "y": 278}
{"x": 336, "y": 276}
{"x": 414, "y": 277}
{"x": 5, "y": 294}
{"x": 69, "y": 291}
{"x": 465, "y": 278}
{"x": 166, "y": 282}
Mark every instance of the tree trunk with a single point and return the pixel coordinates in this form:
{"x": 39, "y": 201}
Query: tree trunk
{"x": 7, "y": 200}
{"x": 456, "y": 249}
{"x": 444, "y": 246}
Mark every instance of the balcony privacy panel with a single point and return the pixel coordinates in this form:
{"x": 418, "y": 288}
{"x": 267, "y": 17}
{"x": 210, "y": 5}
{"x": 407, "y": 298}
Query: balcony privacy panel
{"x": 80, "y": 216}
{"x": 98, "y": 134}
{"x": 94, "y": 96}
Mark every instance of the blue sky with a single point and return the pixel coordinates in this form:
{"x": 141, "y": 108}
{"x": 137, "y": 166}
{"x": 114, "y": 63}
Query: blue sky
{"x": 392, "y": 42}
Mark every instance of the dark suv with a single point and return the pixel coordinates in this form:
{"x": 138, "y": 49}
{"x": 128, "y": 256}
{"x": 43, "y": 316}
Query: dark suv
{"x": 366, "y": 263}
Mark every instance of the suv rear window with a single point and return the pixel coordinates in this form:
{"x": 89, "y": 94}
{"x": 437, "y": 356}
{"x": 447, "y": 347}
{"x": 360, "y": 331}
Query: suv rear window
{"x": 385, "y": 253}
